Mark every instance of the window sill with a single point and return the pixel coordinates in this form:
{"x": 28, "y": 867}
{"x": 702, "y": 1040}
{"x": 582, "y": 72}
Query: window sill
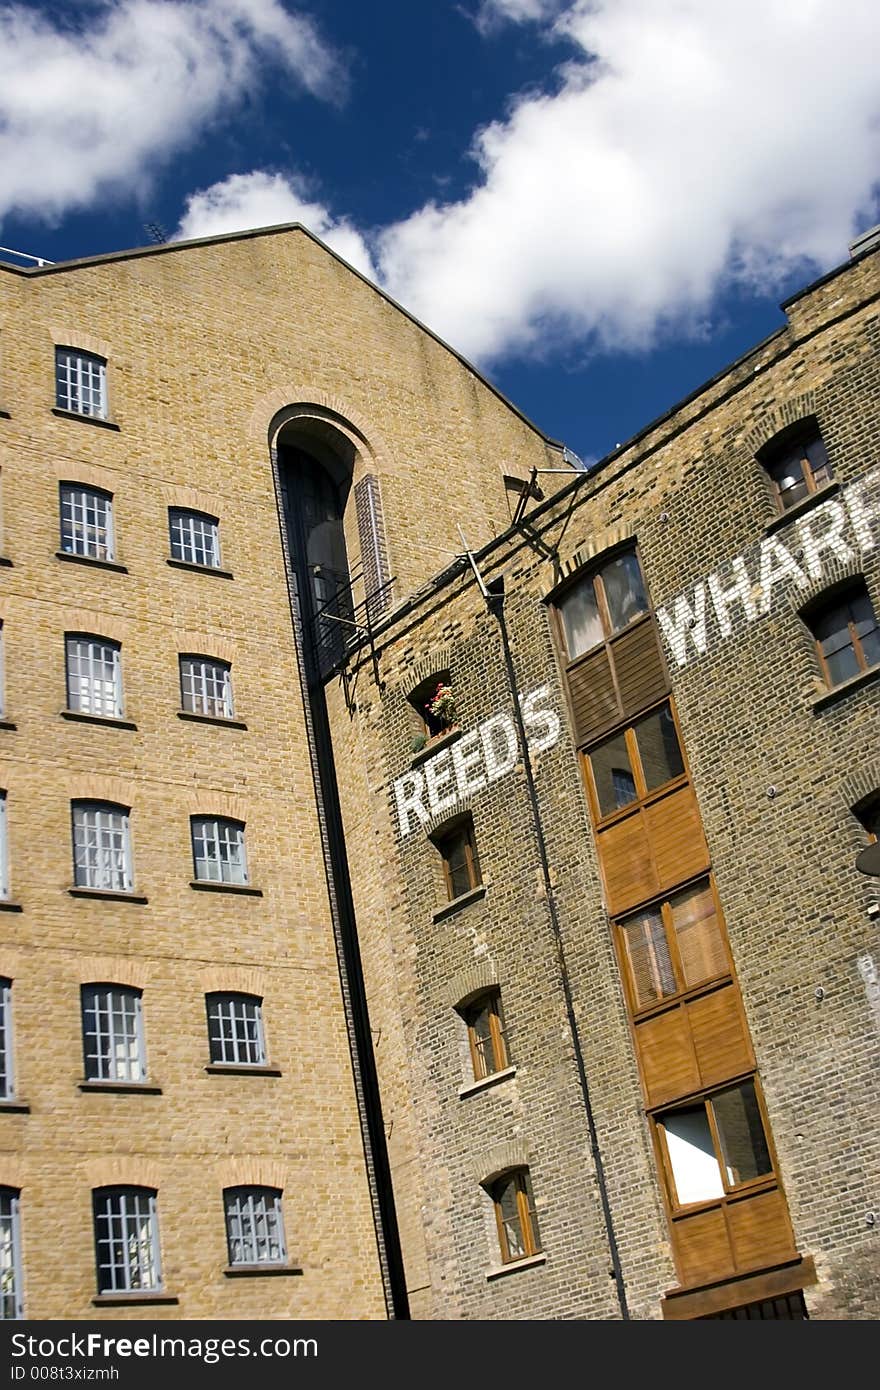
{"x": 6, "y": 905}
{"x": 839, "y": 691}
{"x": 806, "y": 504}
{"x": 14, "y": 1107}
{"x": 200, "y": 569}
{"x": 80, "y": 717}
{"x": 241, "y": 1069}
{"x": 5, "y": 562}
{"x": 8, "y": 724}
{"x": 259, "y": 1271}
{"x": 4, "y": 415}
{"x": 473, "y": 895}
{"x": 90, "y": 560}
{"x": 435, "y": 745}
{"x": 88, "y": 419}
{"x": 117, "y": 1300}
{"x": 109, "y": 893}
{"x": 211, "y": 719}
{"x": 206, "y": 886}
{"x": 122, "y": 1087}
{"x": 528, "y": 1263}
{"x": 486, "y": 1081}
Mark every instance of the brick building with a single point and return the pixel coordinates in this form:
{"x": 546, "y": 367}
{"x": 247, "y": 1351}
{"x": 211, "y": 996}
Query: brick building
{"x": 429, "y": 868}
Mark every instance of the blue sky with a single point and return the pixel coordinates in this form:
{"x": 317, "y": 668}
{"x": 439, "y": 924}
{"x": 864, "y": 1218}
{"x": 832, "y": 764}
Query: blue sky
{"x": 599, "y": 202}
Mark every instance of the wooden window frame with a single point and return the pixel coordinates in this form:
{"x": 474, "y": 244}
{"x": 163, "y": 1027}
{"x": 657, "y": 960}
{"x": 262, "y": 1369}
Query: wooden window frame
{"x": 593, "y": 575}
{"x": 822, "y": 610}
{"x": 525, "y": 1209}
{"x": 643, "y": 797}
{"x": 491, "y": 999}
{"x": 733, "y": 1192}
{"x": 779, "y": 449}
{"x": 662, "y": 902}
{"x": 463, "y": 828}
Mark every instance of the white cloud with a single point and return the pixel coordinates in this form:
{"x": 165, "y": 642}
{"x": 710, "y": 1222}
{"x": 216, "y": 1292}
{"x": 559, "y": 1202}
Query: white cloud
{"x": 492, "y": 13}
{"x": 688, "y": 144}
{"x": 261, "y": 199}
{"x": 85, "y": 109}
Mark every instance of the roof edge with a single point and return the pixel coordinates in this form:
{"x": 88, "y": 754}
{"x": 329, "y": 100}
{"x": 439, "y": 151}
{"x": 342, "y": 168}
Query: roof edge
{"x": 169, "y": 247}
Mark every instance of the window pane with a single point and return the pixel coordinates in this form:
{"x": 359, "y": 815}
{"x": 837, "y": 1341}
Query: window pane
{"x": 100, "y": 848}
{"x": 817, "y": 461}
{"x": 624, "y": 590}
{"x": 509, "y": 1217}
{"x": 206, "y": 687}
{"x": 647, "y": 953}
{"x": 866, "y": 628}
{"x": 658, "y": 748}
{"x": 692, "y": 1158}
{"x": 112, "y": 1035}
{"x": 94, "y": 683}
{"x": 6, "y": 1086}
{"x": 86, "y": 523}
{"x": 612, "y": 774}
{"x": 460, "y": 857}
{"x": 486, "y": 1033}
{"x": 235, "y": 1029}
{"x": 743, "y": 1145}
{"x": 194, "y": 538}
{"x": 10, "y": 1260}
{"x": 218, "y": 851}
{"x": 788, "y": 474}
{"x": 698, "y": 934}
{"x": 126, "y": 1239}
{"x": 580, "y": 619}
{"x": 80, "y": 383}
{"x": 254, "y": 1228}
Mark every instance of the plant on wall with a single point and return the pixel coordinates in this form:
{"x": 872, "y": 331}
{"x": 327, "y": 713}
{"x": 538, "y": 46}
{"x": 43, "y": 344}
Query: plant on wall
{"x": 441, "y": 706}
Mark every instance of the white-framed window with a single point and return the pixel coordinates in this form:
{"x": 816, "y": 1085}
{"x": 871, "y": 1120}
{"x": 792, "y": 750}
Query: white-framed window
{"x": 86, "y": 522}
{"x": 206, "y": 686}
{"x": 7, "y": 1065}
{"x": 81, "y": 382}
{"x": 2, "y": 670}
{"x": 235, "y": 1029}
{"x": 101, "y": 846}
{"x": 218, "y": 850}
{"x": 94, "y": 675}
{"x": 4, "y": 850}
{"x": 254, "y": 1226}
{"x": 113, "y": 1033}
{"x": 126, "y": 1239}
{"x": 11, "y": 1302}
{"x": 195, "y": 537}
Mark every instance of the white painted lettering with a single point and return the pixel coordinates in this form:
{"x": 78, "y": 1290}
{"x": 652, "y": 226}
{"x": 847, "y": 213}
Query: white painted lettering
{"x": 777, "y": 563}
{"x": 408, "y": 795}
{"x": 438, "y": 774}
{"x": 466, "y": 754}
{"x": 685, "y": 622}
{"x": 832, "y": 538}
{"x": 865, "y": 511}
{"x": 738, "y": 592}
{"x": 545, "y": 719}
{"x": 499, "y": 760}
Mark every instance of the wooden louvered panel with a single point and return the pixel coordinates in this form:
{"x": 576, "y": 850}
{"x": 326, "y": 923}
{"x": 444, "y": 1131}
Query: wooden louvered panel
{"x": 675, "y": 832}
{"x": 627, "y": 867}
{"x": 760, "y": 1230}
{"x": 720, "y": 1038}
{"x": 701, "y": 1247}
{"x": 638, "y": 665}
{"x": 594, "y": 705}
{"x": 667, "y": 1057}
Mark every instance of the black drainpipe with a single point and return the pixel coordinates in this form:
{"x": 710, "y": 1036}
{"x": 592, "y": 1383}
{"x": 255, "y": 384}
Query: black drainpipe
{"x": 493, "y": 592}
{"x": 346, "y": 941}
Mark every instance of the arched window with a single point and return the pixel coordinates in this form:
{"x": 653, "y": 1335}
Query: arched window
{"x": 101, "y": 846}
{"x": 254, "y": 1226}
{"x": 113, "y": 1033}
{"x": 80, "y": 382}
{"x": 796, "y": 463}
{"x": 218, "y": 850}
{"x": 11, "y": 1303}
{"x": 515, "y": 1216}
{"x": 126, "y": 1239}
{"x": 846, "y": 633}
{"x": 235, "y": 1029}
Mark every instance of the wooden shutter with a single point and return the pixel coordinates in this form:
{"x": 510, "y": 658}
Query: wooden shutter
{"x": 638, "y": 666}
{"x": 371, "y": 533}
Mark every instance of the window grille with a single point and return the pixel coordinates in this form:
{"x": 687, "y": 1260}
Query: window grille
{"x": 101, "y": 847}
{"x": 126, "y": 1239}
{"x": 11, "y": 1304}
{"x": 218, "y": 850}
{"x": 86, "y": 522}
{"x": 81, "y": 383}
{"x": 235, "y": 1029}
{"x": 254, "y": 1226}
{"x": 113, "y": 1036}
{"x": 206, "y": 686}
{"x": 195, "y": 538}
{"x": 94, "y": 676}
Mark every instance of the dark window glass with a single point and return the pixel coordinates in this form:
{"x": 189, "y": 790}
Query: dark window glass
{"x": 848, "y": 637}
{"x": 613, "y": 775}
{"x": 460, "y": 863}
{"x": 798, "y": 468}
{"x": 580, "y": 619}
{"x": 741, "y": 1134}
{"x": 624, "y": 590}
{"x": 659, "y": 752}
